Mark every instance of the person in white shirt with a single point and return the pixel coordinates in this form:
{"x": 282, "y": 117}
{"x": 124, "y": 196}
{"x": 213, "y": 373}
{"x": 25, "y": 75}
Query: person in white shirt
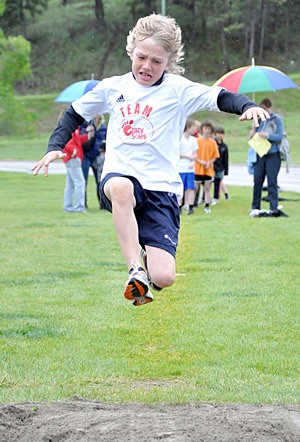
{"x": 148, "y": 108}
{"x": 187, "y": 153}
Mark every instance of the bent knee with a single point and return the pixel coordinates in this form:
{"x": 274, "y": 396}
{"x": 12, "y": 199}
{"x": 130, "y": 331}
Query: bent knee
{"x": 118, "y": 189}
{"x": 164, "y": 280}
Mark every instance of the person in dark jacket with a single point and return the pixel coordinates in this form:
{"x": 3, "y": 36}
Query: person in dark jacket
{"x": 94, "y": 152}
{"x": 90, "y": 153}
{"x": 220, "y": 165}
{"x": 100, "y": 146}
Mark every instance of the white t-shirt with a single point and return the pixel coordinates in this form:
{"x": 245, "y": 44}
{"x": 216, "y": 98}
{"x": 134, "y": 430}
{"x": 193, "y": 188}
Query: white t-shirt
{"x": 146, "y": 125}
{"x": 188, "y": 146}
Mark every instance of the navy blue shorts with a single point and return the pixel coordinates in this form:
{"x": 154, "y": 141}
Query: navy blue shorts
{"x": 157, "y": 215}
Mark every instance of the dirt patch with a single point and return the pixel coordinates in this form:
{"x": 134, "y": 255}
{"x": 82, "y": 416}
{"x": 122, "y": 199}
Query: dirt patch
{"x": 85, "y": 420}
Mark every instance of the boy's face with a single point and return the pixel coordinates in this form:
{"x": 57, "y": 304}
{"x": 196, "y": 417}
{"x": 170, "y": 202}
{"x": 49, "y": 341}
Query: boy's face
{"x": 219, "y": 136}
{"x": 192, "y": 129}
{"x": 206, "y": 131}
{"x": 149, "y": 61}
{"x": 268, "y": 109}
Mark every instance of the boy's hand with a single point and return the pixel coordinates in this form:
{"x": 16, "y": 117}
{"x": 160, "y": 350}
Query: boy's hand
{"x": 253, "y": 113}
{"x": 46, "y": 160}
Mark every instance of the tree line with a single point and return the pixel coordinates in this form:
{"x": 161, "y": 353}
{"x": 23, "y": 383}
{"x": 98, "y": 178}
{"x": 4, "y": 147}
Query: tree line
{"x": 70, "y": 39}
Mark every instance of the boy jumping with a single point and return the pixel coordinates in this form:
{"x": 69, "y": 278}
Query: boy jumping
{"x": 148, "y": 108}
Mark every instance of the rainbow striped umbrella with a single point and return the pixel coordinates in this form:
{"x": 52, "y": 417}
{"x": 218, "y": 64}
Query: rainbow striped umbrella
{"x": 255, "y": 79}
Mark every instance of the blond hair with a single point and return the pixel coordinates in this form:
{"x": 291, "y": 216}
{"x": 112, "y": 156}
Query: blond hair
{"x": 165, "y": 31}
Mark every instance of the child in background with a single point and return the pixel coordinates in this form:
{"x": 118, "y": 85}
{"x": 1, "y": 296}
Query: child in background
{"x": 148, "y": 108}
{"x": 220, "y": 166}
{"x": 187, "y": 151}
{"x": 206, "y": 155}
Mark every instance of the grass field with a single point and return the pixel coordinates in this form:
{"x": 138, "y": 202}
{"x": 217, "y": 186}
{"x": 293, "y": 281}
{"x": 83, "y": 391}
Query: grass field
{"x": 226, "y": 331}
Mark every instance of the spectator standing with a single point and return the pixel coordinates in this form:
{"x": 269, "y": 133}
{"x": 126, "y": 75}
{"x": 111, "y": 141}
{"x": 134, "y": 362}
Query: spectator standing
{"x": 268, "y": 165}
{"x": 90, "y": 154}
{"x": 220, "y": 166}
{"x": 74, "y": 195}
{"x": 187, "y": 151}
{"x": 206, "y": 155}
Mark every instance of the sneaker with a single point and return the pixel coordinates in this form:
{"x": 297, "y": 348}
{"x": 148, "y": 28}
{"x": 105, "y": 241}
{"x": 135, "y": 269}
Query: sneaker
{"x": 277, "y": 213}
{"x": 255, "y": 213}
{"x": 259, "y": 213}
{"x": 207, "y": 210}
{"x": 214, "y": 202}
{"x": 190, "y": 211}
{"x": 137, "y": 286}
{"x": 265, "y": 213}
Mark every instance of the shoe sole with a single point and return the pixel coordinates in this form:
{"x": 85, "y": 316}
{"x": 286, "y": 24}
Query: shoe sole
{"x": 138, "y": 292}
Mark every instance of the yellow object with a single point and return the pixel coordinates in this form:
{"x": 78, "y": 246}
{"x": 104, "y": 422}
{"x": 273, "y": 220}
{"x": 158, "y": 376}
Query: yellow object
{"x": 259, "y": 144}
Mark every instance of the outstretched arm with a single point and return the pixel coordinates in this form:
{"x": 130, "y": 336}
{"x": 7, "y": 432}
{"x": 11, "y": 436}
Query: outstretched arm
{"x": 59, "y": 138}
{"x": 241, "y": 105}
{"x": 46, "y": 160}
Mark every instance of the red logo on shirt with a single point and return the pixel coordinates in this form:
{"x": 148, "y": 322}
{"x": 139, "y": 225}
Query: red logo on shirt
{"x": 136, "y": 130}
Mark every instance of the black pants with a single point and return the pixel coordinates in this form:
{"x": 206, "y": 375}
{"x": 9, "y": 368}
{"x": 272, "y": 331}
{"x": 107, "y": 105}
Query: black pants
{"x": 267, "y": 166}
{"x": 86, "y": 164}
{"x": 217, "y": 182}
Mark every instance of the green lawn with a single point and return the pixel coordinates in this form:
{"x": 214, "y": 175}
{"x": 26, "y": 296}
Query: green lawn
{"x": 31, "y": 148}
{"x": 226, "y": 331}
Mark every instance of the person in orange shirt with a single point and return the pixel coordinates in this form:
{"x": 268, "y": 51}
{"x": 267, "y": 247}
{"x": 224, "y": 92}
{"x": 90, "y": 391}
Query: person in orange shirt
{"x": 206, "y": 155}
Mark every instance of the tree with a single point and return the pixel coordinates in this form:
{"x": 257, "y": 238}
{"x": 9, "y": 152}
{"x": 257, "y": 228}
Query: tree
{"x": 112, "y": 28}
{"x": 73, "y": 38}
{"x": 141, "y": 8}
{"x": 14, "y": 65}
{"x": 99, "y": 12}
{"x": 15, "y": 14}
{"x": 14, "y": 60}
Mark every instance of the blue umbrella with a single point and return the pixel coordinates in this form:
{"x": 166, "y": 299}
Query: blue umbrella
{"x": 76, "y": 90}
